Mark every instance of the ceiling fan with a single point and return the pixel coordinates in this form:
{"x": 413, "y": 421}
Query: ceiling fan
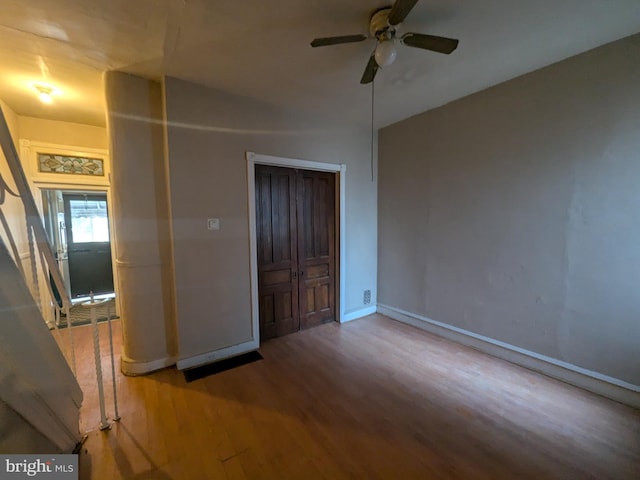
{"x": 382, "y": 27}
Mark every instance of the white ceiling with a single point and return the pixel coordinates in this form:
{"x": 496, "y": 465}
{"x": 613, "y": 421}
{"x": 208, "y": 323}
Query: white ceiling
{"x": 260, "y": 49}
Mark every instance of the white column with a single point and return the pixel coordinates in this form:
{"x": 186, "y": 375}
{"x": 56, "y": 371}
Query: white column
{"x": 141, "y": 222}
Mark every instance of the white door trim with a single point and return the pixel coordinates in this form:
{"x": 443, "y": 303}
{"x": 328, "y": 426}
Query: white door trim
{"x": 340, "y": 169}
{"x": 82, "y": 183}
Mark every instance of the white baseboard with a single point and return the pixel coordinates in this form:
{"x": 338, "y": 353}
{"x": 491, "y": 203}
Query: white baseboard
{"x": 216, "y": 355}
{"x": 133, "y": 368}
{"x": 595, "y": 382}
{"x": 363, "y": 312}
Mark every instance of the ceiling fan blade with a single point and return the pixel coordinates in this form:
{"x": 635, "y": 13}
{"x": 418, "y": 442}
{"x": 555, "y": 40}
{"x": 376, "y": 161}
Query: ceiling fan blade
{"x": 326, "y": 41}
{"x": 430, "y": 42}
{"x": 400, "y": 10}
{"x": 370, "y": 71}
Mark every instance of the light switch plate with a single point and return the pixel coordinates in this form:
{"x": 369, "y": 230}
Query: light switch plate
{"x": 213, "y": 224}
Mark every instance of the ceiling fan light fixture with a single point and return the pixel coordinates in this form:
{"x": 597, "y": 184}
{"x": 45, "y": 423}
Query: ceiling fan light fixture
{"x": 386, "y": 52}
{"x": 383, "y": 25}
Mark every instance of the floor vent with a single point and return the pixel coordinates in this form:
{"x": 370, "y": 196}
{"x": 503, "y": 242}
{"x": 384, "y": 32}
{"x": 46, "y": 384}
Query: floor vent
{"x": 367, "y": 297}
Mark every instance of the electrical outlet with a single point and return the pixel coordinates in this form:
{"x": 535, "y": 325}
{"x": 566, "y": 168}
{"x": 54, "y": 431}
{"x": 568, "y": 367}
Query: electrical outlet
{"x": 367, "y": 297}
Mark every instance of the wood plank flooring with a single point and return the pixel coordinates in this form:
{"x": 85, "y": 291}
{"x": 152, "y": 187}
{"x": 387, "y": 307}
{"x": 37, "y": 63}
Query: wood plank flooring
{"x": 369, "y": 399}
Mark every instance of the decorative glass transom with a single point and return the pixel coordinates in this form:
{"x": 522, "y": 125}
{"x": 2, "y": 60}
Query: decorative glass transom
{"x": 50, "y": 163}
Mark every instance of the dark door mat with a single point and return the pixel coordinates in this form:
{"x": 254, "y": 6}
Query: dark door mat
{"x": 197, "y": 373}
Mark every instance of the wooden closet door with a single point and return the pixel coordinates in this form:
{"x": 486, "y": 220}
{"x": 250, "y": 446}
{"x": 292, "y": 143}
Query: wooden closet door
{"x": 316, "y": 247}
{"x": 276, "y": 235}
{"x": 295, "y": 233}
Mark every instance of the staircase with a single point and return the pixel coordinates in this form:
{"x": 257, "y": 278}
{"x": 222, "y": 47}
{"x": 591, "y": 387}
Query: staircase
{"x": 39, "y": 395}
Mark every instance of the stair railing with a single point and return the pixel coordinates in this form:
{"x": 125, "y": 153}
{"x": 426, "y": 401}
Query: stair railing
{"x": 41, "y": 259}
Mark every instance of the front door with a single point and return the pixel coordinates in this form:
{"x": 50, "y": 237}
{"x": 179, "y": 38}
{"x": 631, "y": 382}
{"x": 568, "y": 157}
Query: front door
{"x": 88, "y": 243}
{"x": 295, "y": 228}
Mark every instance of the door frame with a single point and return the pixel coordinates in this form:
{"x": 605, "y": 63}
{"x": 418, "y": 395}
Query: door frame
{"x": 71, "y": 183}
{"x": 340, "y": 171}
{"x": 69, "y": 233}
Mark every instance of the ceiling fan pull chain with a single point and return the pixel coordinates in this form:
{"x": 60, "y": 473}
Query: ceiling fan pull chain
{"x": 372, "y": 124}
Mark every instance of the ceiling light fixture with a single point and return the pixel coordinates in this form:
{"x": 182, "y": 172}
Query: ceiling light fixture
{"x": 44, "y": 92}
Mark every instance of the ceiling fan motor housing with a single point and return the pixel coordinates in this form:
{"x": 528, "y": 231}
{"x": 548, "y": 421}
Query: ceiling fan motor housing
{"x": 379, "y": 25}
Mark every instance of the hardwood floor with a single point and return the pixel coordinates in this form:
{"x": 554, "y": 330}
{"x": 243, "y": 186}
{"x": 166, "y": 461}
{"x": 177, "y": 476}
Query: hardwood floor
{"x": 371, "y": 398}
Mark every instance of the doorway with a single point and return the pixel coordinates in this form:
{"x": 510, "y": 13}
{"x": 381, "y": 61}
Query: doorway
{"x": 78, "y": 226}
{"x": 296, "y": 248}
{"x": 88, "y": 243}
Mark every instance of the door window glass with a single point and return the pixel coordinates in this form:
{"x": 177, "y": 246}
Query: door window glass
{"x": 89, "y": 221}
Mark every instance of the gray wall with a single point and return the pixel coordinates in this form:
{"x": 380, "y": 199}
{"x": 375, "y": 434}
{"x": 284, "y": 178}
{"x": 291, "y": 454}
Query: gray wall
{"x": 208, "y": 133}
{"x": 514, "y": 213}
